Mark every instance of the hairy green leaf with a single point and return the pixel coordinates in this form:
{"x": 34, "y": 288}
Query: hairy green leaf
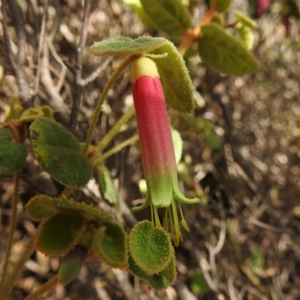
{"x": 175, "y": 79}
{"x": 150, "y": 247}
{"x": 156, "y": 281}
{"x": 59, "y": 153}
{"x": 30, "y": 114}
{"x": 124, "y": 46}
{"x": 110, "y": 245}
{"x": 43, "y": 207}
{"x": 59, "y": 234}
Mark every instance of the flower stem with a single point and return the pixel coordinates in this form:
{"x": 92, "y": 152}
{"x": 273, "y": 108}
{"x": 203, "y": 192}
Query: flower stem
{"x": 115, "y": 129}
{"x": 12, "y": 226}
{"x": 116, "y": 149}
{"x": 102, "y": 97}
{"x": 17, "y": 269}
{"x": 46, "y": 287}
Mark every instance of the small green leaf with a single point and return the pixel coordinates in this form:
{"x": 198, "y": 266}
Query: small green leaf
{"x": 30, "y": 114}
{"x": 106, "y": 183}
{"x": 170, "y": 16}
{"x": 71, "y": 264}
{"x": 175, "y": 79}
{"x": 58, "y": 152}
{"x": 43, "y": 207}
{"x": 12, "y": 155}
{"x": 177, "y": 142}
{"x": 223, "y": 52}
{"x": 59, "y": 234}
{"x": 199, "y": 285}
{"x": 150, "y": 247}
{"x": 241, "y": 18}
{"x": 14, "y": 111}
{"x": 110, "y": 245}
{"x": 220, "y": 5}
{"x": 124, "y": 46}
{"x": 39, "y": 208}
{"x": 156, "y": 281}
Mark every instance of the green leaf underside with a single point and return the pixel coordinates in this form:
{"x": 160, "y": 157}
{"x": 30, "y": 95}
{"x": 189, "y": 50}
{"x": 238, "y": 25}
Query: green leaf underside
{"x": 221, "y": 5}
{"x": 110, "y": 245}
{"x": 156, "y": 281}
{"x": 59, "y": 234}
{"x": 224, "y": 53}
{"x": 150, "y": 247}
{"x": 59, "y": 153}
{"x": 106, "y": 183}
{"x": 175, "y": 79}
{"x": 124, "y": 46}
{"x": 170, "y": 271}
{"x": 12, "y": 155}
{"x": 51, "y": 206}
{"x": 170, "y": 16}
{"x": 71, "y": 264}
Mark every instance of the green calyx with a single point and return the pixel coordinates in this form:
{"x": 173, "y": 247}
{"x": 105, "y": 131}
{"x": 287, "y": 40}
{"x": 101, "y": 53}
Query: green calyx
{"x": 173, "y": 212}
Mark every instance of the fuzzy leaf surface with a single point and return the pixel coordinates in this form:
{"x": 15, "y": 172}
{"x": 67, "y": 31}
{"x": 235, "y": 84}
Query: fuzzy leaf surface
{"x": 59, "y": 153}
{"x": 124, "y": 46}
{"x": 60, "y": 233}
{"x": 156, "y": 281}
{"x": 175, "y": 79}
{"x": 110, "y": 245}
{"x": 150, "y": 247}
{"x": 43, "y": 207}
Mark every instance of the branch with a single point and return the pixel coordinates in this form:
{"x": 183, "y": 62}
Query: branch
{"x": 78, "y": 69}
{"x": 40, "y": 48}
{"x": 18, "y": 65}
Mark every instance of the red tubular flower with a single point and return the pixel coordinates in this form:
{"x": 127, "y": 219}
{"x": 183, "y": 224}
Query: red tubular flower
{"x": 157, "y": 148}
